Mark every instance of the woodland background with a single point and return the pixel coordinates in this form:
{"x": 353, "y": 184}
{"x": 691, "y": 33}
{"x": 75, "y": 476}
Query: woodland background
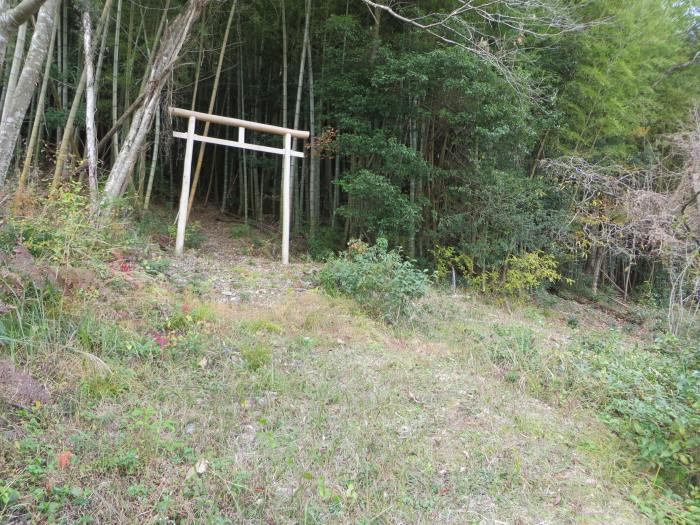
{"x": 494, "y": 132}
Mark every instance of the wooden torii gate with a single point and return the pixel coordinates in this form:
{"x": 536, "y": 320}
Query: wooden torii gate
{"x": 242, "y": 125}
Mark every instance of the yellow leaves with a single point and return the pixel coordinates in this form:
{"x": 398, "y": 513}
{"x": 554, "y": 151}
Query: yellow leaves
{"x": 447, "y": 257}
{"x": 641, "y": 132}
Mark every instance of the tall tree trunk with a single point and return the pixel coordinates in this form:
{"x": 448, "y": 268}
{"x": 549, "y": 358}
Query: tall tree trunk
{"x": 170, "y": 46}
{"x": 77, "y": 97}
{"x": 26, "y": 85}
{"x": 198, "y": 67}
{"x": 243, "y": 167}
{"x": 115, "y": 82}
{"x": 285, "y": 74}
{"x": 412, "y": 183}
{"x": 101, "y": 57}
{"x": 62, "y": 53}
{"x": 154, "y": 161}
{"x": 90, "y": 98}
{"x": 12, "y": 19}
{"x": 597, "y": 266}
{"x": 314, "y": 167}
{"x": 227, "y": 132}
{"x": 336, "y": 188}
{"x": 36, "y": 126}
{"x": 212, "y": 102}
{"x": 296, "y": 190}
{"x": 375, "y": 35}
{"x": 14, "y": 69}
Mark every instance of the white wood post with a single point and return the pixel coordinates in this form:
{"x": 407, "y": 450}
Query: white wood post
{"x": 286, "y": 197}
{"x": 185, "y": 192}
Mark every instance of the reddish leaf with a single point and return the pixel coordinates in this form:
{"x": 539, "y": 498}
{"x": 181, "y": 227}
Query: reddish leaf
{"x": 64, "y": 459}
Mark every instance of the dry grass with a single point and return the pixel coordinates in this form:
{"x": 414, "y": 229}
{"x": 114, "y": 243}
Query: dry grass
{"x": 298, "y": 409}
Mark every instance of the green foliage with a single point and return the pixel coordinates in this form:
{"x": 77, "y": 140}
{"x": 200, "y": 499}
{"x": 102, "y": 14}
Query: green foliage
{"x": 239, "y": 231}
{"x": 384, "y": 284}
{"x": 377, "y": 207}
{"x": 156, "y": 266}
{"x": 493, "y": 214}
{"x": 616, "y": 93}
{"x": 524, "y": 273}
{"x": 651, "y": 397}
{"x": 530, "y": 271}
{"x": 648, "y": 396}
{"x": 447, "y": 257}
{"x": 65, "y": 231}
{"x": 187, "y": 318}
{"x": 324, "y": 243}
{"x": 256, "y": 354}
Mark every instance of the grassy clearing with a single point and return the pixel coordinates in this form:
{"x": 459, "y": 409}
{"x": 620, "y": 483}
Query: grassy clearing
{"x": 172, "y": 404}
{"x": 307, "y": 413}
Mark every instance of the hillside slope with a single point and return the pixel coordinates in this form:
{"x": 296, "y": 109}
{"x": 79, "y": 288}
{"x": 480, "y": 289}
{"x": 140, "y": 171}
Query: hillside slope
{"x": 225, "y": 388}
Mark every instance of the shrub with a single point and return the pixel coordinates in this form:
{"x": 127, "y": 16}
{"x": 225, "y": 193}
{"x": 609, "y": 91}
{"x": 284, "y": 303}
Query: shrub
{"x": 447, "y": 258}
{"x": 524, "y": 273}
{"x": 652, "y": 398}
{"x": 156, "y": 266}
{"x": 379, "y": 279}
{"x": 377, "y": 207}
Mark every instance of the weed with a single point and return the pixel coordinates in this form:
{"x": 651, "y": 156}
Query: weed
{"x": 260, "y": 325}
{"x": 256, "y": 355}
{"x": 156, "y": 266}
{"x": 239, "y": 231}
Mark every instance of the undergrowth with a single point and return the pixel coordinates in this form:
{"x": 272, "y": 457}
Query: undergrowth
{"x": 649, "y": 396}
{"x": 379, "y": 279}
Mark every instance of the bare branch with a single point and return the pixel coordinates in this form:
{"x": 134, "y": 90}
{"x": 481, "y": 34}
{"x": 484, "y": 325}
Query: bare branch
{"x": 469, "y": 26}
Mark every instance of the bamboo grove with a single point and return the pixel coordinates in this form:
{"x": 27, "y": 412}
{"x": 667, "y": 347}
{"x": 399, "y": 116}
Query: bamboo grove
{"x": 494, "y": 129}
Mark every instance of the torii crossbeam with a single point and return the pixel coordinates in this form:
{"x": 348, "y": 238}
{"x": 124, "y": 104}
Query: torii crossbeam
{"x": 191, "y": 137}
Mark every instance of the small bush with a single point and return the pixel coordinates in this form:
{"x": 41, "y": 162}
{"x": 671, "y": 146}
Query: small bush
{"x": 379, "y": 279}
{"x": 652, "y": 398}
{"x": 448, "y": 258}
{"x": 65, "y": 231}
{"x": 239, "y": 231}
{"x": 156, "y": 266}
{"x": 523, "y": 274}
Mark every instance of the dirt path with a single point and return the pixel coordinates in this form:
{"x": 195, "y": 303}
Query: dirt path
{"x": 244, "y": 269}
